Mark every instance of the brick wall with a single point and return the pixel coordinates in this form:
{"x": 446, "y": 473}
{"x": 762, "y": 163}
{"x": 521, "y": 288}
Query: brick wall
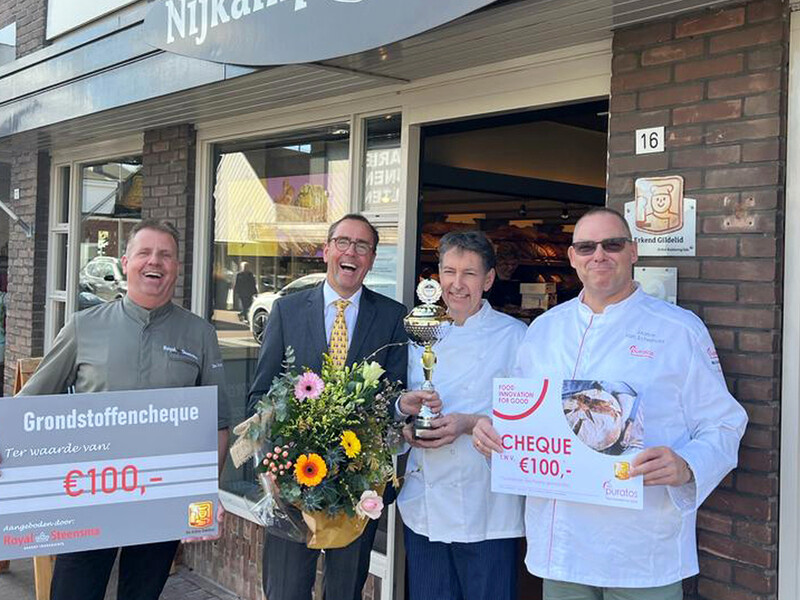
{"x": 27, "y": 259}
{"x": 168, "y": 165}
{"x": 31, "y": 19}
{"x": 234, "y": 561}
{"x": 717, "y": 81}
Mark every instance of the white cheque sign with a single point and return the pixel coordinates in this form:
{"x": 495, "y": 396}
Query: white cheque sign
{"x": 568, "y": 439}
{"x": 86, "y": 471}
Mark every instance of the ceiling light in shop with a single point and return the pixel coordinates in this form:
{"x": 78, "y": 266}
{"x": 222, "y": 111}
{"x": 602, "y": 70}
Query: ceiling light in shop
{"x": 565, "y": 213}
{"x": 523, "y": 211}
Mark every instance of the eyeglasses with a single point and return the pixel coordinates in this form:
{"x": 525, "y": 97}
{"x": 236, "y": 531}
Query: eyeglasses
{"x": 612, "y": 245}
{"x": 343, "y": 243}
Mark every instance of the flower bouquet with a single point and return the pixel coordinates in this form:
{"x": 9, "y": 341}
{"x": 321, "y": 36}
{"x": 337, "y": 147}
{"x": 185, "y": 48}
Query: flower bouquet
{"x": 327, "y": 441}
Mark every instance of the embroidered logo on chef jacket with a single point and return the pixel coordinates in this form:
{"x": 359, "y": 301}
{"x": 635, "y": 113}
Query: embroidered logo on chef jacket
{"x": 640, "y": 335}
{"x": 641, "y": 352}
{"x": 180, "y": 353}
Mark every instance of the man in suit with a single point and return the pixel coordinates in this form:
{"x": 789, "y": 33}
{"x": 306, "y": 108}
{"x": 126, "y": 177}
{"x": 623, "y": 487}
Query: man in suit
{"x": 350, "y": 322}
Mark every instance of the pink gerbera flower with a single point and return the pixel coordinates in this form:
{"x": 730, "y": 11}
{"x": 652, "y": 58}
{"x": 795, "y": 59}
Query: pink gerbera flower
{"x": 309, "y": 386}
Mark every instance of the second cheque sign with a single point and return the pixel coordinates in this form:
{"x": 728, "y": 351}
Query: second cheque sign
{"x": 86, "y": 471}
{"x": 568, "y": 439}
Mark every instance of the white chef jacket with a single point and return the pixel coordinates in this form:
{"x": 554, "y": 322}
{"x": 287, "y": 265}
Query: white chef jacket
{"x": 446, "y": 493}
{"x": 666, "y": 354}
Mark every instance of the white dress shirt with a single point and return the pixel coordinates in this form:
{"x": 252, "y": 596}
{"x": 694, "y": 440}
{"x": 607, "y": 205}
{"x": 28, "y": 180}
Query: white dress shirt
{"x": 446, "y": 494}
{"x": 665, "y": 353}
{"x": 330, "y": 296}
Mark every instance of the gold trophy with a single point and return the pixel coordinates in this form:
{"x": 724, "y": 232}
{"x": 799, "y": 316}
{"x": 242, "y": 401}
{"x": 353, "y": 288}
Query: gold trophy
{"x": 425, "y": 325}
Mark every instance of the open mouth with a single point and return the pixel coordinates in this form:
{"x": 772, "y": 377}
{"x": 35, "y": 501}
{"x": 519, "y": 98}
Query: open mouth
{"x": 349, "y": 267}
{"x": 153, "y": 275}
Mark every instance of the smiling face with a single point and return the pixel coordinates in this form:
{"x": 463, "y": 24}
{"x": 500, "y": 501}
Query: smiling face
{"x": 151, "y": 265}
{"x": 464, "y": 279}
{"x": 607, "y": 277}
{"x": 346, "y": 270}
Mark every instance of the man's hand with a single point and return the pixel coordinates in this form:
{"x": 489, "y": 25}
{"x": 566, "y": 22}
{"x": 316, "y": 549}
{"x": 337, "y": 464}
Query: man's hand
{"x": 411, "y": 402}
{"x": 445, "y": 430}
{"x": 485, "y": 438}
{"x": 661, "y": 466}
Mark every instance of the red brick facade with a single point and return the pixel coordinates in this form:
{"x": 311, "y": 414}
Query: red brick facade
{"x": 27, "y": 257}
{"x": 31, "y": 19}
{"x": 717, "y": 81}
{"x": 168, "y": 167}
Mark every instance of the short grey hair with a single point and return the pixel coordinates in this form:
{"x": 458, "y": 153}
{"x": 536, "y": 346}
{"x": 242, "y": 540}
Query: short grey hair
{"x": 157, "y": 225}
{"x": 604, "y": 210}
{"x": 474, "y": 241}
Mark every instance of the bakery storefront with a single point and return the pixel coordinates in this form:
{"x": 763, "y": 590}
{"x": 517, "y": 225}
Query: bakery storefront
{"x": 513, "y": 117}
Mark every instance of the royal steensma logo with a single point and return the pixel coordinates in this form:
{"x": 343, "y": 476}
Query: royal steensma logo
{"x": 201, "y": 514}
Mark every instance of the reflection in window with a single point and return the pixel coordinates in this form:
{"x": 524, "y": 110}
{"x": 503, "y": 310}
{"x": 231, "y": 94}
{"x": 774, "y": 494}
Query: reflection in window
{"x": 273, "y": 203}
{"x": 8, "y": 43}
{"x": 111, "y": 204}
{"x": 382, "y": 164}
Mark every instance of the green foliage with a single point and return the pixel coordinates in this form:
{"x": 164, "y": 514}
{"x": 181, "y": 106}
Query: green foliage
{"x": 354, "y": 398}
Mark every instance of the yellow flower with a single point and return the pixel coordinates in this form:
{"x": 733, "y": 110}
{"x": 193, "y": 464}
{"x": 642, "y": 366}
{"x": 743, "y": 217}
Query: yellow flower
{"x": 310, "y": 469}
{"x": 351, "y": 444}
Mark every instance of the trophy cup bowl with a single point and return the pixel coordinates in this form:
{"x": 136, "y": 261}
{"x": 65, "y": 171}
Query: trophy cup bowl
{"x": 426, "y": 325}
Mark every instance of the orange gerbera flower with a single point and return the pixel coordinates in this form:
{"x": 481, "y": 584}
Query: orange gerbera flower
{"x": 310, "y": 469}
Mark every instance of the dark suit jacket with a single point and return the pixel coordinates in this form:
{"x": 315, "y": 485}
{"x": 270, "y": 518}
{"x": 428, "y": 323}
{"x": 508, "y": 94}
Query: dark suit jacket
{"x": 298, "y": 321}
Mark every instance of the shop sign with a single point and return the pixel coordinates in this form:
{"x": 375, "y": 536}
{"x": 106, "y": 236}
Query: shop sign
{"x": 277, "y": 32}
{"x": 662, "y": 221}
{"x": 568, "y": 439}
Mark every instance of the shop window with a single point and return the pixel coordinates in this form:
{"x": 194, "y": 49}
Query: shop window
{"x": 381, "y": 164}
{"x": 111, "y": 204}
{"x": 274, "y": 200}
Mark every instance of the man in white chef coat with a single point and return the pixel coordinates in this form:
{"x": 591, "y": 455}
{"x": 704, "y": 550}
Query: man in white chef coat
{"x": 615, "y": 332}
{"x": 461, "y": 538}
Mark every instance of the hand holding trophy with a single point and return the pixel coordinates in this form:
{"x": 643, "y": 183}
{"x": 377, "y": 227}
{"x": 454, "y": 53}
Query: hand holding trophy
{"x": 427, "y": 324}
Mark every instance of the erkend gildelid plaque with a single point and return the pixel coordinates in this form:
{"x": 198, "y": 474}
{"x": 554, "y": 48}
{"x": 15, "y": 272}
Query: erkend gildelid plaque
{"x": 87, "y": 471}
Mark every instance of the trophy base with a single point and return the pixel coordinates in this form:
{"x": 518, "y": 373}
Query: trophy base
{"x": 423, "y": 424}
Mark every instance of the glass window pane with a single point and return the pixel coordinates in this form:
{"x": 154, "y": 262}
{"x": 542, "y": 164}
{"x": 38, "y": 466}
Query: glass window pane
{"x": 382, "y": 164}
{"x": 111, "y": 204}
{"x": 383, "y": 276}
{"x": 62, "y": 201}
{"x": 273, "y": 203}
{"x": 59, "y": 314}
{"x": 61, "y": 261}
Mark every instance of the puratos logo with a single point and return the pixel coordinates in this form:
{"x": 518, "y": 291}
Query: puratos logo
{"x": 276, "y": 32}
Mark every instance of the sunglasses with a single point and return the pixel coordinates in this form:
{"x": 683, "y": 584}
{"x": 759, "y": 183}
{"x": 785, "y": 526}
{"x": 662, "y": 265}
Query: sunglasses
{"x": 612, "y": 245}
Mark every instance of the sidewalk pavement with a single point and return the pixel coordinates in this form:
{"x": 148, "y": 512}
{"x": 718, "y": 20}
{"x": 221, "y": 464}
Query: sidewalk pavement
{"x": 17, "y": 584}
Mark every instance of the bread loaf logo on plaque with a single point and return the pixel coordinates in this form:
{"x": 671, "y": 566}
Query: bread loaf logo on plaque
{"x": 659, "y": 204}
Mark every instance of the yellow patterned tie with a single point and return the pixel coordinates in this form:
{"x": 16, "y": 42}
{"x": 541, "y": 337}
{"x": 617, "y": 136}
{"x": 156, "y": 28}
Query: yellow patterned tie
{"x": 337, "y": 349}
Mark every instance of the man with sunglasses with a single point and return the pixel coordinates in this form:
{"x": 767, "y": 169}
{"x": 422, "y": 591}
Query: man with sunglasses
{"x": 349, "y": 322}
{"x": 615, "y": 332}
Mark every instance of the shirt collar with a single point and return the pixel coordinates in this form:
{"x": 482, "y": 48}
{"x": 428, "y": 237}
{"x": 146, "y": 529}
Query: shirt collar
{"x": 612, "y": 308}
{"x": 143, "y": 315}
{"x": 475, "y": 320}
{"x": 330, "y": 295}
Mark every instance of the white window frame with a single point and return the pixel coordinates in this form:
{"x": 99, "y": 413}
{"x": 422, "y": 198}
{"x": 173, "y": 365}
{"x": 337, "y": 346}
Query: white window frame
{"x": 561, "y": 76}
{"x": 789, "y": 517}
{"x": 75, "y": 159}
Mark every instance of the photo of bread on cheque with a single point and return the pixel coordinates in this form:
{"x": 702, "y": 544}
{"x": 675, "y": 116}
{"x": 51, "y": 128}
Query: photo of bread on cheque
{"x": 604, "y": 415}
